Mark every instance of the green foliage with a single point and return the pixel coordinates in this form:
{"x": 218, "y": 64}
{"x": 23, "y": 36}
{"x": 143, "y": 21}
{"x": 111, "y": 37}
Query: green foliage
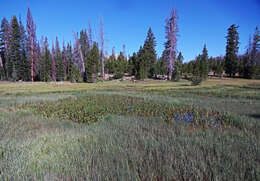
{"x": 204, "y": 63}
{"x": 90, "y": 109}
{"x": 59, "y": 62}
{"x": 196, "y": 80}
{"x": 14, "y": 61}
{"x": 177, "y": 71}
{"x": 231, "y": 60}
{"x": 149, "y": 54}
{"x": 75, "y": 74}
{"x": 45, "y": 63}
{"x": 92, "y": 63}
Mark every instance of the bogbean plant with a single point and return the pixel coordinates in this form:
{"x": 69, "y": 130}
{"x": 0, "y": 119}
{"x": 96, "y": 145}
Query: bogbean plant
{"x": 89, "y": 109}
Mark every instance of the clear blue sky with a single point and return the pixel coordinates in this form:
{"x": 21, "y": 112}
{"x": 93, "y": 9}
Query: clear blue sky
{"x": 127, "y": 22}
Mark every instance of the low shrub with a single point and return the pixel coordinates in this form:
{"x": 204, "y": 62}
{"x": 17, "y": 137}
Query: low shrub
{"x": 196, "y": 80}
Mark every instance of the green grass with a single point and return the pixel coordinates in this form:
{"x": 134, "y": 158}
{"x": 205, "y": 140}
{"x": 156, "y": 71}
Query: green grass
{"x": 89, "y": 132}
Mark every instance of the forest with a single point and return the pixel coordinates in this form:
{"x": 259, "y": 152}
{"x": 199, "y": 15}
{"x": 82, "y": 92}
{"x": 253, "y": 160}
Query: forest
{"x": 24, "y": 58}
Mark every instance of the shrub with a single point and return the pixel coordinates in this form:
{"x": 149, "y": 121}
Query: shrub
{"x": 196, "y": 80}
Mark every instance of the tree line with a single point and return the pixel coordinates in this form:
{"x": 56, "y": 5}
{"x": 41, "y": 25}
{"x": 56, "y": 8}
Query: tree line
{"x": 24, "y": 58}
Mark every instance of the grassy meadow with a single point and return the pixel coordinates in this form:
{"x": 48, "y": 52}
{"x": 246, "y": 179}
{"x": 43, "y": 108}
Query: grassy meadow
{"x": 121, "y": 130}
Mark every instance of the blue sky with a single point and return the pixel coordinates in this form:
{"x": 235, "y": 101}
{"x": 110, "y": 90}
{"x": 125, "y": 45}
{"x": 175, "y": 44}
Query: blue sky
{"x": 127, "y": 22}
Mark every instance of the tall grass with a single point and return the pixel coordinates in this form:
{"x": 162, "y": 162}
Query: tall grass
{"x": 126, "y": 143}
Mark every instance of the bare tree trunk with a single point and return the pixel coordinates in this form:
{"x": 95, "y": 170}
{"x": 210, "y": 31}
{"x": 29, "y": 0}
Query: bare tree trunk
{"x": 171, "y": 36}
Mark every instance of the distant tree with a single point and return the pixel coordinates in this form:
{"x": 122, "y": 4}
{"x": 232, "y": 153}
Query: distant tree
{"x": 59, "y": 62}
{"x": 150, "y": 53}
{"x": 53, "y": 64}
{"x": 110, "y": 63}
{"x": 64, "y": 60}
{"x": 102, "y": 58}
{"x": 249, "y": 60}
{"x": 120, "y": 66}
{"x": 31, "y": 29}
{"x": 204, "y": 63}
{"x": 24, "y": 67}
{"x": 217, "y": 65}
{"x": 69, "y": 62}
{"x": 14, "y": 60}
{"x": 231, "y": 59}
{"x": 140, "y": 68}
{"x": 45, "y": 63}
{"x": 4, "y": 43}
{"x": 178, "y": 67}
{"x": 196, "y": 66}
{"x": 92, "y": 64}
{"x": 77, "y": 56}
{"x": 84, "y": 43}
{"x": 1, "y": 69}
{"x": 90, "y": 35}
{"x": 171, "y": 43}
{"x": 132, "y": 64}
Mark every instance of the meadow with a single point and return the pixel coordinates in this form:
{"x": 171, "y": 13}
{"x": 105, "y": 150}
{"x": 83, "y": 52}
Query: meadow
{"x": 120, "y": 130}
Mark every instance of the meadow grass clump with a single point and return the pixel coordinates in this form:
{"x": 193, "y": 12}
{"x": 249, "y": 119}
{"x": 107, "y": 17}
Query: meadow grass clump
{"x": 93, "y": 108}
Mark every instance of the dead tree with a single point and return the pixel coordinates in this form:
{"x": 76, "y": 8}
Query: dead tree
{"x": 80, "y": 62}
{"x": 171, "y": 44}
{"x": 90, "y": 36}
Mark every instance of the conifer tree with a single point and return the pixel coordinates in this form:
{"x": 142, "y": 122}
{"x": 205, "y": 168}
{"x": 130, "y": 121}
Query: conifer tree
{"x": 4, "y": 43}
{"x": 69, "y": 62}
{"x": 92, "y": 64}
{"x": 102, "y": 58}
{"x": 59, "y": 62}
{"x": 150, "y": 53}
{"x": 231, "y": 59}
{"x": 14, "y": 60}
{"x": 53, "y": 64}
{"x": 45, "y": 65}
{"x": 31, "y": 29}
{"x": 24, "y": 70}
{"x": 178, "y": 67}
{"x": 204, "y": 63}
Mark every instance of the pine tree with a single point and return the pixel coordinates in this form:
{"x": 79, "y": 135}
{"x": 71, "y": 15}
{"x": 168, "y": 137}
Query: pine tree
{"x": 102, "y": 58}
{"x": 69, "y": 62}
{"x": 92, "y": 64}
{"x": 84, "y": 43}
{"x": 31, "y": 29}
{"x": 64, "y": 60}
{"x": 249, "y": 60}
{"x": 150, "y": 53}
{"x": 140, "y": 68}
{"x": 204, "y": 65}
{"x": 4, "y": 43}
{"x": 53, "y": 64}
{"x": 24, "y": 70}
{"x": 132, "y": 64}
{"x": 231, "y": 59}
{"x": 178, "y": 67}
{"x": 13, "y": 63}
{"x": 59, "y": 62}
{"x": 45, "y": 65}
{"x": 171, "y": 43}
